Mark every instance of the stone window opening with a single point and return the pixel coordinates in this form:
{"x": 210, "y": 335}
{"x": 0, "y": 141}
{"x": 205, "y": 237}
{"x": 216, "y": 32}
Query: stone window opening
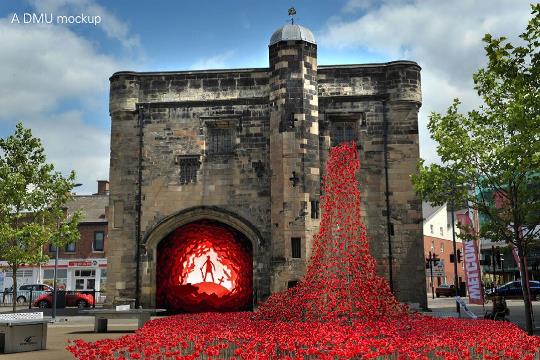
{"x": 189, "y": 165}
{"x": 296, "y": 247}
{"x": 291, "y": 283}
{"x": 343, "y": 131}
{"x": 220, "y": 141}
{"x": 314, "y": 209}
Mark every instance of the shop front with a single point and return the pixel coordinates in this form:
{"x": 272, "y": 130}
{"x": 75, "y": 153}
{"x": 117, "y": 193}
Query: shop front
{"x": 72, "y": 274}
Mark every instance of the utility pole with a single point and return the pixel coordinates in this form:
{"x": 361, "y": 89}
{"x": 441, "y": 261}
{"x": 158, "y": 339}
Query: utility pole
{"x": 493, "y": 258}
{"x": 456, "y": 282}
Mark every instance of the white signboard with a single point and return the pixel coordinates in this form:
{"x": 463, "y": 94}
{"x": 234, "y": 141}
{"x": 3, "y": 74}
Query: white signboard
{"x": 465, "y": 307}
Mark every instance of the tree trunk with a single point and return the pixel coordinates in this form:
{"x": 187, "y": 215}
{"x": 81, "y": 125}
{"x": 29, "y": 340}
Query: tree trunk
{"x": 14, "y": 277}
{"x": 525, "y": 288}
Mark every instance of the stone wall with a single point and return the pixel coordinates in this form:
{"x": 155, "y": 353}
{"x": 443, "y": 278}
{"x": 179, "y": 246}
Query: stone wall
{"x": 176, "y": 111}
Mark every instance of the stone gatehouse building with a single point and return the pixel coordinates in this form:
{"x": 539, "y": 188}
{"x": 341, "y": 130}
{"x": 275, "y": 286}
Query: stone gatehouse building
{"x": 247, "y": 147}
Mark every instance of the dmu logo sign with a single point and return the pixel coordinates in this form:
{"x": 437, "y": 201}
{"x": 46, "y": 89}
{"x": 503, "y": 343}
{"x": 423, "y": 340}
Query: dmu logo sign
{"x": 29, "y": 341}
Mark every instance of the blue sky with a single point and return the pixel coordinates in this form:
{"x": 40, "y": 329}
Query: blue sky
{"x": 54, "y": 77}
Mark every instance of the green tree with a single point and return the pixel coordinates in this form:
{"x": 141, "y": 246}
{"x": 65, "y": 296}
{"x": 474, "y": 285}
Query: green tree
{"x": 32, "y": 200}
{"x": 494, "y": 151}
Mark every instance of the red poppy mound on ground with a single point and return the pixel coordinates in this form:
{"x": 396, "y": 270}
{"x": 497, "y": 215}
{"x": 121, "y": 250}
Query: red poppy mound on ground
{"x": 340, "y": 310}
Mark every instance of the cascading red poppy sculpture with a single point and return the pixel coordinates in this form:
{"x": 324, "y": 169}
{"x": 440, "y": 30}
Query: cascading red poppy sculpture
{"x": 341, "y": 310}
{"x": 341, "y": 282}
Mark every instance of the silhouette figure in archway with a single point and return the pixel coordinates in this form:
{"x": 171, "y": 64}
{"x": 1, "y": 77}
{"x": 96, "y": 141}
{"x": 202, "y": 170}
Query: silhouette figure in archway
{"x": 209, "y": 268}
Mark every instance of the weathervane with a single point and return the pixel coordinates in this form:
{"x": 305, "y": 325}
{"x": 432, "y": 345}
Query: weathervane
{"x": 292, "y": 12}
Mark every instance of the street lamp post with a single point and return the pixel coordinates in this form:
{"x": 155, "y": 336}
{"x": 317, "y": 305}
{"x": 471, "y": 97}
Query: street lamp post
{"x": 456, "y": 284}
{"x": 54, "y": 279}
{"x": 56, "y": 253}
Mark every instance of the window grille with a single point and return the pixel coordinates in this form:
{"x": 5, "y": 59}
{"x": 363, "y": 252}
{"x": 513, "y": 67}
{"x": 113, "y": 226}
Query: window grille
{"x": 343, "y": 131}
{"x": 220, "y": 140}
{"x": 188, "y": 169}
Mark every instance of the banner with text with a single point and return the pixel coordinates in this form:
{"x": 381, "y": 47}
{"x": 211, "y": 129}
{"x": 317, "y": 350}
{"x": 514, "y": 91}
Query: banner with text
{"x": 472, "y": 264}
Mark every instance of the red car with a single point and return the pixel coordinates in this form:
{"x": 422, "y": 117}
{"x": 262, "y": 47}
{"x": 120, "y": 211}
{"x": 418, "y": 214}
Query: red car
{"x": 445, "y": 290}
{"x": 72, "y": 299}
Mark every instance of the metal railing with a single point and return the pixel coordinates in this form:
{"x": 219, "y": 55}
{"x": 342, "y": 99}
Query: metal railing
{"x": 32, "y": 299}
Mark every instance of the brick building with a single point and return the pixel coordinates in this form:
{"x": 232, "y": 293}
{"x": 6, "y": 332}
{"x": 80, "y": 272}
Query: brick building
{"x": 83, "y": 264}
{"x": 245, "y": 149}
{"x": 438, "y": 241}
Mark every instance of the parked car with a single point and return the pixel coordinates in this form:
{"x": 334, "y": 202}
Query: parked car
{"x": 445, "y": 290}
{"x": 28, "y": 291}
{"x": 72, "y": 299}
{"x": 513, "y": 290}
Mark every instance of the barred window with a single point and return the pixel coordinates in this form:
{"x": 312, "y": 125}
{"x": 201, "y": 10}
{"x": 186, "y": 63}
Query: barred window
{"x": 343, "y": 131}
{"x": 188, "y": 169}
{"x": 220, "y": 140}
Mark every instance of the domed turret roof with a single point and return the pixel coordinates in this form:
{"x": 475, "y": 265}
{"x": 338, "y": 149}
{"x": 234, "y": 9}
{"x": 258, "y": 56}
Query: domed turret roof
{"x": 292, "y": 32}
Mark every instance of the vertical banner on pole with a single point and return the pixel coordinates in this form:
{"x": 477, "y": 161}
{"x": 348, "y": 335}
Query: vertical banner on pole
{"x": 472, "y": 264}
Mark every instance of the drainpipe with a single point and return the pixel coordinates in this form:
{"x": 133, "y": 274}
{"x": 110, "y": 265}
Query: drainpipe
{"x": 138, "y": 210}
{"x": 389, "y": 227}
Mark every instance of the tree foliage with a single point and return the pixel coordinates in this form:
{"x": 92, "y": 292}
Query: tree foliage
{"x": 491, "y": 156}
{"x": 32, "y": 200}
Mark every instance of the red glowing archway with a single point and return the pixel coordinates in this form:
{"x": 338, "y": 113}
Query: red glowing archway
{"x": 204, "y": 266}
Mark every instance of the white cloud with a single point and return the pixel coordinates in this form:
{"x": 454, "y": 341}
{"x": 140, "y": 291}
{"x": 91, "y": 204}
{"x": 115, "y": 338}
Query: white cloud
{"x": 45, "y": 65}
{"x": 56, "y": 82}
{"x": 72, "y": 144}
{"x": 444, "y": 37}
{"x": 110, "y": 24}
{"x": 213, "y": 62}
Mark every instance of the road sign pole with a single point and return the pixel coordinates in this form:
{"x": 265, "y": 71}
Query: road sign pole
{"x": 431, "y": 271}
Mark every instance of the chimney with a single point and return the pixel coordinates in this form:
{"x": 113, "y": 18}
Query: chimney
{"x": 103, "y": 187}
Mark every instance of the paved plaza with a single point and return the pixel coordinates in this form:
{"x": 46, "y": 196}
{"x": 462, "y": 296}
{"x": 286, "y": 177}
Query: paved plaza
{"x": 78, "y": 327}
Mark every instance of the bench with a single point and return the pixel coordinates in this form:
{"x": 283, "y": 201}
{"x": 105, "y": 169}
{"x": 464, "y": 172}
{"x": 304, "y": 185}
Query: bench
{"x": 102, "y": 316}
{"x": 23, "y": 332}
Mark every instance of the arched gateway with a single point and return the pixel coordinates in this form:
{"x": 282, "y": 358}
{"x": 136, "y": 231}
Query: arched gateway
{"x": 201, "y": 259}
